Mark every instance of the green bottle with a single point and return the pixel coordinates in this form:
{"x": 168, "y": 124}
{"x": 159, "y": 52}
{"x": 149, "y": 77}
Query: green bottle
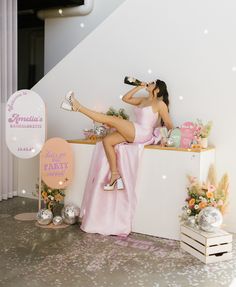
{"x": 132, "y": 81}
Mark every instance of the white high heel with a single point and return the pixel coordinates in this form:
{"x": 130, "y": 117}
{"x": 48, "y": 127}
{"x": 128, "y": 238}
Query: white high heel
{"x": 67, "y": 104}
{"x": 118, "y": 183}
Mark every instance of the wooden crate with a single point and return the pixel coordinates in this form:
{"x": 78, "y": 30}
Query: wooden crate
{"x": 207, "y": 247}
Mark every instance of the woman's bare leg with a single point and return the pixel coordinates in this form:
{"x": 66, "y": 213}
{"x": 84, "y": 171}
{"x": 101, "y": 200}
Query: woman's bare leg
{"x": 124, "y": 127}
{"x": 109, "y": 142}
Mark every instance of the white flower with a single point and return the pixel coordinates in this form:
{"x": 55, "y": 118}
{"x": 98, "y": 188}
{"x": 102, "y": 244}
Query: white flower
{"x": 188, "y": 211}
{"x": 196, "y": 206}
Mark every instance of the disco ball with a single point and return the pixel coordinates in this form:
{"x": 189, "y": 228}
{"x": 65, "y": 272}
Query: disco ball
{"x": 44, "y": 216}
{"x": 210, "y": 219}
{"x": 70, "y": 214}
{"x": 100, "y": 131}
{"x": 57, "y": 220}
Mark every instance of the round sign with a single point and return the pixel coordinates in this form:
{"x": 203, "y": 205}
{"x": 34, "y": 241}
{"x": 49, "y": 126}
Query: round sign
{"x": 56, "y": 163}
{"x": 25, "y": 123}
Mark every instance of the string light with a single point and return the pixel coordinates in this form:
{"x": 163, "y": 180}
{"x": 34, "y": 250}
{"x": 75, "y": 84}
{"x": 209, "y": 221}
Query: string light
{"x": 234, "y": 69}
{"x": 60, "y": 11}
{"x": 181, "y": 98}
{"x": 205, "y": 31}
{"x": 149, "y": 71}
{"x": 82, "y": 25}
{"x": 23, "y": 191}
{"x": 60, "y": 183}
{"x": 164, "y": 176}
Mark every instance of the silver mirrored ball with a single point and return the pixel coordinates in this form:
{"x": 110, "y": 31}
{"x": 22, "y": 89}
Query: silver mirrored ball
{"x": 44, "y": 216}
{"x": 210, "y": 219}
{"x": 70, "y": 214}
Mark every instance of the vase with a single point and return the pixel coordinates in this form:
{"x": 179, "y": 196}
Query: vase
{"x": 204, "y": 142}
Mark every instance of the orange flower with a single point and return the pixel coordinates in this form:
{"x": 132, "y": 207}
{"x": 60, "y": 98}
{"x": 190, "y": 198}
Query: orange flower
{"x": 191, "y": 202}
{"x": 202, "y": 204}
{"x": 209, "y": 194}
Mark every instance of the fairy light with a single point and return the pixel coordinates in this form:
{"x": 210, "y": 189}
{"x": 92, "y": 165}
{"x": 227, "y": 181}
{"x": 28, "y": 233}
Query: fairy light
{"x": 33, "y": 150}
{"x": 149, "y": 71}
{"x": 181, "y": 98}
{"x": 60, "y": 11}
{"x": 120, "y": 96}
{"x": 82, "y": 25}
{"x": 23, "y": 191}
{"x": 205, "y": 32}
{"x": 234, "y": 69}
{"x": 60, "y": 183}
{"x": 164, "y": 176}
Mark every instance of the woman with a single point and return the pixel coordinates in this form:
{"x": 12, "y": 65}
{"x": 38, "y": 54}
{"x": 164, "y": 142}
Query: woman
{"x": 149, "y": 111}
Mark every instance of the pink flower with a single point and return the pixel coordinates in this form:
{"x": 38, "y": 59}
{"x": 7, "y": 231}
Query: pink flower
{"x": 220, "y": 202}
{"x": 211, "y": 188}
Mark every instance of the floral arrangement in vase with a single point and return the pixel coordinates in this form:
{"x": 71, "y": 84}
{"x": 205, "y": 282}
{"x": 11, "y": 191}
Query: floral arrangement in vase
{"x": 201, "y": 195}
{"x": 117, "y": 113}
{"x": 51, "y": 197}
{"x": 202, "y": 132}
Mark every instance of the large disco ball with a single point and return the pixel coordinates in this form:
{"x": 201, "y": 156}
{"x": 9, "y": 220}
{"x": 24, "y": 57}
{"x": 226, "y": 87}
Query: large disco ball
{"x": 70, "y": 214}
{"x": 44, "y": 216}
{"x": 210, "y": 219}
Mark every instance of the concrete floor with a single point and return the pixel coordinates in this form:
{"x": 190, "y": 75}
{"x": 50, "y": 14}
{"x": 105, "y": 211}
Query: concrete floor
{"x": 34, "y": 256}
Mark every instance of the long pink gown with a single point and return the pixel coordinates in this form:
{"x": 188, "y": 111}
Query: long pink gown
{"x": 111, "y": 212}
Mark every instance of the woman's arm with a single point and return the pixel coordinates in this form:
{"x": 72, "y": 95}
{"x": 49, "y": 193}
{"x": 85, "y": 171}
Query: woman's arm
{"x": 128, "y": 97}
{"x": 163, "y": 111}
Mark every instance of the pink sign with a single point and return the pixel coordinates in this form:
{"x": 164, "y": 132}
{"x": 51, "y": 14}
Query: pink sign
{"x": 187, "y": 134}
{"x": 56, "y": 163}
{"x": 25, "y": 123}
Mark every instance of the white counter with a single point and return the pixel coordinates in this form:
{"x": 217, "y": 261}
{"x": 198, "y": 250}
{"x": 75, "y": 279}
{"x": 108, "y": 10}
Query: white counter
{"x": 161, "y": 185}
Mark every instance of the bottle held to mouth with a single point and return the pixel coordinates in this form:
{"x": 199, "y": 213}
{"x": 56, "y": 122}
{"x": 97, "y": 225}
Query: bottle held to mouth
{"x": 132, "y": 81}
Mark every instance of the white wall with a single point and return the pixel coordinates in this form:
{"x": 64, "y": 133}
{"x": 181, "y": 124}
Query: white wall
{"x": 189, "y": 44}
{"x": 63, "y": 34}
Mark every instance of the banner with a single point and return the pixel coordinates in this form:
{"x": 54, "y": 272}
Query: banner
{"x": 25, "y": 123}
{"x": 56, "y": 163}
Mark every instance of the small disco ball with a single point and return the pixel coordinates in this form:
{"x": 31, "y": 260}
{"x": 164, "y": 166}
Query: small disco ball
{"x": 57, "y": 220}
{"x": 191, "y": 221}
{"x": 210, "y": 219}
{"x": 170, "y": 142}
{"x": 44, "y": 216}
{"x": 70, "y": 214}
{"x": 100, "y": 131}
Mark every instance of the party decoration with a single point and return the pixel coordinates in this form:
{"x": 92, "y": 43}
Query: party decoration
{"x": 52, "y": 197}
{"x": 210, "y": 219}
{"x": 202, "y": 195}
{"x": 44, "y": 216}
{"x": 175, "y": 137}
{"x": 56, "y": 163}
{"x": 188, "y": 131}
{"x": 25, "y": 123}
{"x": 70, "y": 214}
{"x": 121, "y": 113}
{"x": 57, "y": 220}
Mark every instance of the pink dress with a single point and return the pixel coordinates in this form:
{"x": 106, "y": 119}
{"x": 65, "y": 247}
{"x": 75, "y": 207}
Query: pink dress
{"x": 111, "y": 212}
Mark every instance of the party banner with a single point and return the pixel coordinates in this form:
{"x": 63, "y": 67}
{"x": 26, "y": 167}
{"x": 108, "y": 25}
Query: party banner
{"x": 25, "y": 124}
{"x": 56, "y": 163}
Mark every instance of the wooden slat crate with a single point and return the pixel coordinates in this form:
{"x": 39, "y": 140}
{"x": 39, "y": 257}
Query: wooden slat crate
{"x": 207, "y": 247}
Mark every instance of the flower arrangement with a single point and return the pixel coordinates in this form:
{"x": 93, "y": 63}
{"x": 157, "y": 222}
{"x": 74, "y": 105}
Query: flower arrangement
{"x": 206, "y": 194}
{"x": 203, "y": 130}
{"x": 120, "y": 113}
{"x": 51, "y": 197}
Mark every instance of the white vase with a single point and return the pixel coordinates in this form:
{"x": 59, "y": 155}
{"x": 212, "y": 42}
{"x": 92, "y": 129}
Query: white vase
{"x": 204, "y": 142}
